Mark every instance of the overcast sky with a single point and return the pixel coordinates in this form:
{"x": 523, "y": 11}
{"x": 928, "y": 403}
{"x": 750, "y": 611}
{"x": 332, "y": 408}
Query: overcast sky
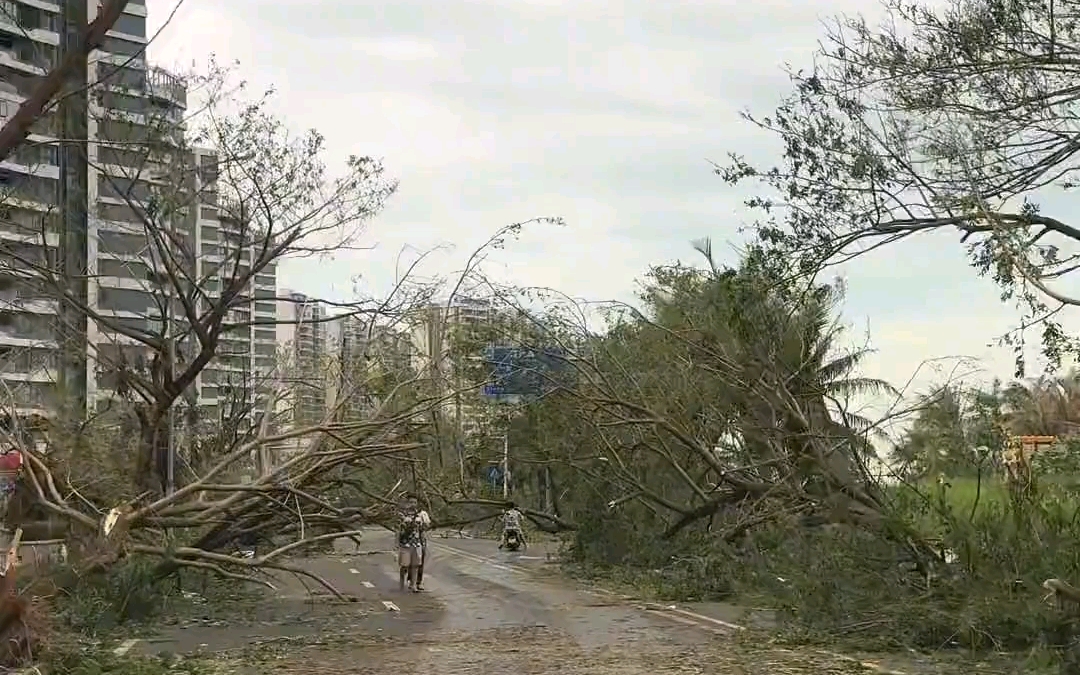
{"x": 603, "y": 113}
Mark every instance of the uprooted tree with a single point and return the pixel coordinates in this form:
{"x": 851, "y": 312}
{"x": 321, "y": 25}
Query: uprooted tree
{"x": 726, "y": 399}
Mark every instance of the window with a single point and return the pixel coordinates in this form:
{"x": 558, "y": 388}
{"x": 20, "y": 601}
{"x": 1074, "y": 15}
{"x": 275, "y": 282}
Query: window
{"x": 132, "y": 323}
{"x": 26, "y": 359}
{"x": 107, "y": 267}
{"x": 115, "y": 101}
{"x": 122, "y": 132}
{"x": 122, "y": 213}
{"x": 265, "y": 334}
{"x": 36, "y": 154}
{"x": 121, "y": 242}
{"x": 24, "y": 255}
{"x": 208, "y": 168}
{"x": 117, "y": 76}
{"x": 129, "y": 158}
{"x": 38, "y": 394}
{"x": 35, "y": 54}
{"x": 27, "y": 326}
{"x": 124, "y": 188}
{"x": 22, "y": 288}
{"x": 23, "y": 82}
{"x": 264, "y": 280}
{"x": 131, "y": 25}
{"x": 266, "y": 307}
{"x": 122, "y": 47}
{"x": 124, "y": 300}
{"x": 34, "y": 188}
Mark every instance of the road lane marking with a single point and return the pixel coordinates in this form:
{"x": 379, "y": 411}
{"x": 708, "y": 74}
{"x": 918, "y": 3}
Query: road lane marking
{"x": 125, "y": 646}
{"x": 677, "y": 614}
{"x": 695, "y": 616}
{"x": 390, "y": 606}
{"x": 368, "y": 584}
{"x": 477, "y": 558}
{"x": 353, "y": 570}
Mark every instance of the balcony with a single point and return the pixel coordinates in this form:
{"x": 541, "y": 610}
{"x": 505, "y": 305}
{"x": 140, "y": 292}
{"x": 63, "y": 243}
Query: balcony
{"x": 162, "y": 84}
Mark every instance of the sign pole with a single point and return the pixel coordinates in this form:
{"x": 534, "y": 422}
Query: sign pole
{"x": 506, "y": 465}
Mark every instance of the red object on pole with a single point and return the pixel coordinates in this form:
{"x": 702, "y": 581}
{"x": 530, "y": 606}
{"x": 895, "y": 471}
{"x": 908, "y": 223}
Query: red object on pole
{"x": 11, "y": 462}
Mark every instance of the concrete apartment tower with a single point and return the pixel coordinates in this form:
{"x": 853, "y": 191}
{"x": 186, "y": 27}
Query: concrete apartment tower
{"x": 125, "y": 91}
{"x": 301, "y": 341}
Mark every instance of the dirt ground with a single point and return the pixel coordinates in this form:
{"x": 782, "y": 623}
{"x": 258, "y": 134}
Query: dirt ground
{"x": 486, "y": 611}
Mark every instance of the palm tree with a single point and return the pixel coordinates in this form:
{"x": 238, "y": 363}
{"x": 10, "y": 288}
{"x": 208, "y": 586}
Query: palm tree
{"x": 1045, "y": 406}
{"x": 804, "y": 341}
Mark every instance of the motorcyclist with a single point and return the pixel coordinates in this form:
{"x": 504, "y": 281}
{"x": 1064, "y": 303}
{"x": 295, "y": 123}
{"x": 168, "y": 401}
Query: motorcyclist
{"x": 511, "y": 523}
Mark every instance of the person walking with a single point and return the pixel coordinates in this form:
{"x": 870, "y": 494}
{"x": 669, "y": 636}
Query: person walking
{"x": 425, "y": 526}
{"x": 409, "y": 544}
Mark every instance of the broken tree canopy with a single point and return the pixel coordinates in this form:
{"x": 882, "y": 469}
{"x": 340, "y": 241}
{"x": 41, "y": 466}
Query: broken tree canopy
{"x": 285, "y": 508}
{"x": 193, "y": 236}
{"x": 957, "y": 118}
{"x": 725, "y": 396}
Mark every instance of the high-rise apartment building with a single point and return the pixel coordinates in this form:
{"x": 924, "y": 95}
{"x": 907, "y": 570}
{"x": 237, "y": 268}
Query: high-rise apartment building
{"x": 433, "y": 327}
{"x": 301, "y": 353}
{"x": 134, "y": 110}
{"x": 365, "y": 361}
{"x": 438, "y": 331}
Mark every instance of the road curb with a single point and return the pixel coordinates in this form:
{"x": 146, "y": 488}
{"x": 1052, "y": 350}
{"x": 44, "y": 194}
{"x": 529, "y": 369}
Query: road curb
{"x": 674, "y": 612}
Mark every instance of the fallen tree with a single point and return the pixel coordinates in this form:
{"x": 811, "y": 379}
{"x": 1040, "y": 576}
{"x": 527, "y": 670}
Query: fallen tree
{"x": 198, "y": 526}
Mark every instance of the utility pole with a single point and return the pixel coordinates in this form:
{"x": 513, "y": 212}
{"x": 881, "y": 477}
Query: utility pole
{"x": 170, "y": 346}
{"x": 73, "y": 203}
{"x": 506, "y": 465}
{"x": 506, "y": 458}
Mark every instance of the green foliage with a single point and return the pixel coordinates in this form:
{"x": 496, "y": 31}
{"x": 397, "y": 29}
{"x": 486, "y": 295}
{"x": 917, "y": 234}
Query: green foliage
{"x": 963, "y": 100}
{"x": 129, "y": 592}
{"x": 956, "y": 432}
{"x": 626, "y": 545}
{"x": 1060, "y": 460}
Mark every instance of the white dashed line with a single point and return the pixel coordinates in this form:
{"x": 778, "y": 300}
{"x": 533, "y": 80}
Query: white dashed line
{"x": 353, "y": 570}
{"x": 368, "y": 584}
{"x": 125, "y": 646}
{"x": 390, "y": 606}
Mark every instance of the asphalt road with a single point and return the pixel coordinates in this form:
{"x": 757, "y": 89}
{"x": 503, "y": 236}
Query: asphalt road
{"x": 483, "y": 611}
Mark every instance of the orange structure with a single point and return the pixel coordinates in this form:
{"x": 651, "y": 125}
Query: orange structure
{"x": 1017, "y": 456}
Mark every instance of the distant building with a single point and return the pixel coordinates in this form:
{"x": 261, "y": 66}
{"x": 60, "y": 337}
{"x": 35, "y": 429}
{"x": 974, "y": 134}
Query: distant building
{"x": 301, "y": 353}
{"x": 437, "y": 331}
{"x": 365, "y": 361}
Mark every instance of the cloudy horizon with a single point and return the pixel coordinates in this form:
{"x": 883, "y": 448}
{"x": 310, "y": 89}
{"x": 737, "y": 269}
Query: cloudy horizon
{"x": 604, "y": 114}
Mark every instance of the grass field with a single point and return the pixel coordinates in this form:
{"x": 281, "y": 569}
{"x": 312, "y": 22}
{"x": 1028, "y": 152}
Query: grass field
{"x": 969, "y": 498}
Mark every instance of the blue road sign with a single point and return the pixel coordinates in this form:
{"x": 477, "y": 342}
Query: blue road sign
{"x": 518, "y": 372}
{"x": 495, "y": 475}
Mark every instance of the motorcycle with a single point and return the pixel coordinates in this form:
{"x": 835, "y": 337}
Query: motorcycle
{"x": 513, "y": 540}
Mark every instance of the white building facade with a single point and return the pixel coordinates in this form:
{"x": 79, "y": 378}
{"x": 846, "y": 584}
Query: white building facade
{"x": 128, "y": 99}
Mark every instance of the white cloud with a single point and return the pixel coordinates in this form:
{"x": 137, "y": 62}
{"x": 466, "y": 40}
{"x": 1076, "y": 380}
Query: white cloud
{"x": 395, "y": 49}
{"x": 601, "y": 112}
